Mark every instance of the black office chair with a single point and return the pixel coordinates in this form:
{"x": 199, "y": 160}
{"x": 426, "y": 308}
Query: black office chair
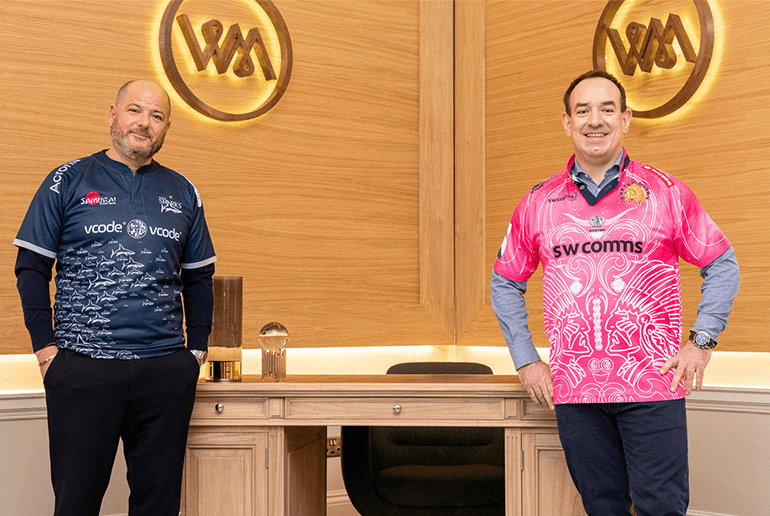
{"x": 425, "y": 471}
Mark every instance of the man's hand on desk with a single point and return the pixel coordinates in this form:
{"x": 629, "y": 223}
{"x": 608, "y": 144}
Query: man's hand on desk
{"x": 536, "y": 377}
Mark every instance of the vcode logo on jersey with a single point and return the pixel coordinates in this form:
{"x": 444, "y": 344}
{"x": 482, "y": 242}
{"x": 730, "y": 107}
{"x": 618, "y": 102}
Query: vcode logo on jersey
{"x": 136, "y": 228}
{"x": 247, "y": 42}
{"x": 112, "y": 227}
{"x": 655, "y": 58}
{"x": 172, "y": 233}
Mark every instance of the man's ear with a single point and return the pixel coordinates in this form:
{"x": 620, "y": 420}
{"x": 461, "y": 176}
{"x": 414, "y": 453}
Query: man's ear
{"x": 566, "y": 121}
{"x": 627, "y": 116}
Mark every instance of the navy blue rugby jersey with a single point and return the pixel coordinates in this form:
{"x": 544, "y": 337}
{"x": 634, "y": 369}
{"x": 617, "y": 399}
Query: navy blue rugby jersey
{"x": 119, "y": 241}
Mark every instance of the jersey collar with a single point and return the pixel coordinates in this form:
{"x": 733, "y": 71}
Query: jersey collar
{"x": 590, "y": 198}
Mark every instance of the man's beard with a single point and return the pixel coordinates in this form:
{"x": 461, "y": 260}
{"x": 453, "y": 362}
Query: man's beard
{"x": 140, "y": 155}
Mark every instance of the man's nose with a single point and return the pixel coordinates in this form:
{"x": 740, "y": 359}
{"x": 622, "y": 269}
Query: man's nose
{"x": 143, "y": 119}
{"x": 595, "y": 117}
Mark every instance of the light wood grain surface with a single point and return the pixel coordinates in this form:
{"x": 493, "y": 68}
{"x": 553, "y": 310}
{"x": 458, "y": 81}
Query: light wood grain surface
{"x": 368, "y": 206}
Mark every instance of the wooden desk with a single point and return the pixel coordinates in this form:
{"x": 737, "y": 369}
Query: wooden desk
{"x": 260, "y": 448}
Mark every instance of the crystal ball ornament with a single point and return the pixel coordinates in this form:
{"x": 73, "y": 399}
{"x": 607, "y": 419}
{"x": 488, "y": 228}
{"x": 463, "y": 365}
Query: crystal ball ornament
{"x": 273, "y": 337}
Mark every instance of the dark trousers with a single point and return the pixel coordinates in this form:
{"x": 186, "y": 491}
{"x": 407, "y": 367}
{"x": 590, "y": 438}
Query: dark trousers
{"x": 93, "y": 403}
{"x": 619, "y": 452}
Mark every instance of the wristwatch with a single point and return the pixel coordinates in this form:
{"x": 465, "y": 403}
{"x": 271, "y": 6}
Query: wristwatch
{"x": 200, "y": 356}
{"x": 702, "y": 340}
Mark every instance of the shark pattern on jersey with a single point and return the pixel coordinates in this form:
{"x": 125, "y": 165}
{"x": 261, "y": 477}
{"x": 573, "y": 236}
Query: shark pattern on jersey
{"x": 100, "y": 282}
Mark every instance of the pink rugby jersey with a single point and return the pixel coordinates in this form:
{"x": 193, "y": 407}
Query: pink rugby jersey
{"x": 611, "y": 290}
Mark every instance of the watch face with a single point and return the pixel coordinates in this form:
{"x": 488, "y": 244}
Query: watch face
{"x": 701, "y": 339}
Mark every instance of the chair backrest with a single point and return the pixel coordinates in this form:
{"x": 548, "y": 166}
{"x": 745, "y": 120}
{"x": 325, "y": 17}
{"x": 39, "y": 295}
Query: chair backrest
{"x": 372, "y": 454}
{"x": 445, "y": 446}
{"x": 439, "y": 368}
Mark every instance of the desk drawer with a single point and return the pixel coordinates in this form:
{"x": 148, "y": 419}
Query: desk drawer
{"x": 537, "y": 412}
{"x": 228, "y": 408}
{"x": 396, "y": 409}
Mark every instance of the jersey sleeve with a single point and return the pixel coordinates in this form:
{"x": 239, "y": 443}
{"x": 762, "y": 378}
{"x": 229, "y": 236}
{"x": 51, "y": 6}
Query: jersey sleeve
{"x": 42, "y": 227}
{"x": 699, "y": 241}
{"x": 519, "y": 256}
{"x": 199, "y": 250}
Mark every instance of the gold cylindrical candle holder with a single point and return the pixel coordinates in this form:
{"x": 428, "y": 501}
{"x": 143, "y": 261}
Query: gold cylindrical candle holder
{"x": 225, "y": 344}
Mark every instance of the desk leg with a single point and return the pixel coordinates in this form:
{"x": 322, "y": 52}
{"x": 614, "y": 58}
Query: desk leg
{"x": 305, "y": 471}
{"x": 513, "y": 458}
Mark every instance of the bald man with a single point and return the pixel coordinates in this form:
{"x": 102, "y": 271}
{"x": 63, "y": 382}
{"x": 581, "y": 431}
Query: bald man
{"x": 133, "y": 260}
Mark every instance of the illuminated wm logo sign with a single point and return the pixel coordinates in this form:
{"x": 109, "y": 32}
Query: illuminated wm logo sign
{"x": 646, "y": 47}
{"x": 226, "y": 50}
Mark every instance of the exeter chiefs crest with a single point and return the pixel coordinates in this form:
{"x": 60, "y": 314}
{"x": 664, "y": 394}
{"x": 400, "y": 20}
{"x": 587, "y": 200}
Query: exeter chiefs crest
{"x": 634, "y": 194}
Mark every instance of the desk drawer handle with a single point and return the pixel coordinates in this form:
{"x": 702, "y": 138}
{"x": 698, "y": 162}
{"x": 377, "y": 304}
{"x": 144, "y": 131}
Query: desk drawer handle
{"x": 396, "y": 409}
{"x": 219, "y": 407}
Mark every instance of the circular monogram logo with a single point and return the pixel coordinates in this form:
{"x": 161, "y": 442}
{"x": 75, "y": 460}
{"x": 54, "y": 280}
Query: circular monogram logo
{"x": 136, "y": 229}
{"x": 662, "y": 55}
{"x": 223, "y": 64}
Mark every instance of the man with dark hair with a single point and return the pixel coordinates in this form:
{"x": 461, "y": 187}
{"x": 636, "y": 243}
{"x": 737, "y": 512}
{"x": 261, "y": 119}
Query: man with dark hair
{"x": 594, "y": 74}
{"x": 133, "y": 260}
{"x": 609, "y": 232}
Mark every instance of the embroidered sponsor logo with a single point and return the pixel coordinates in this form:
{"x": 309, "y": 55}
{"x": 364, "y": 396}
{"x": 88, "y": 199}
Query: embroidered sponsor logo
{"x": 172, "y": 233}
{"x": 91, "y": 198}
{"x": 662, "y": 175}
{"x": 595, "y": 247}
{"x": 112, "y": 227}
{"x": 94, "y": 198}
{"x": 136, "y": 229}
{"x": 634, "y": 194}
{"x": 568, "y": 197}
{"x": 166, "y": 204}
{"x": 57, "y": 177}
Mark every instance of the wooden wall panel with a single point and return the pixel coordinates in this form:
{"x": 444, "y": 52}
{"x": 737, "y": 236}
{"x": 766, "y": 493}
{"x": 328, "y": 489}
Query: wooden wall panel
{"x": 368, "y": 206}
{"x": 317, "y": 205}
{"x": 719, "y": 148}
{"x": 470, "y": 162}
